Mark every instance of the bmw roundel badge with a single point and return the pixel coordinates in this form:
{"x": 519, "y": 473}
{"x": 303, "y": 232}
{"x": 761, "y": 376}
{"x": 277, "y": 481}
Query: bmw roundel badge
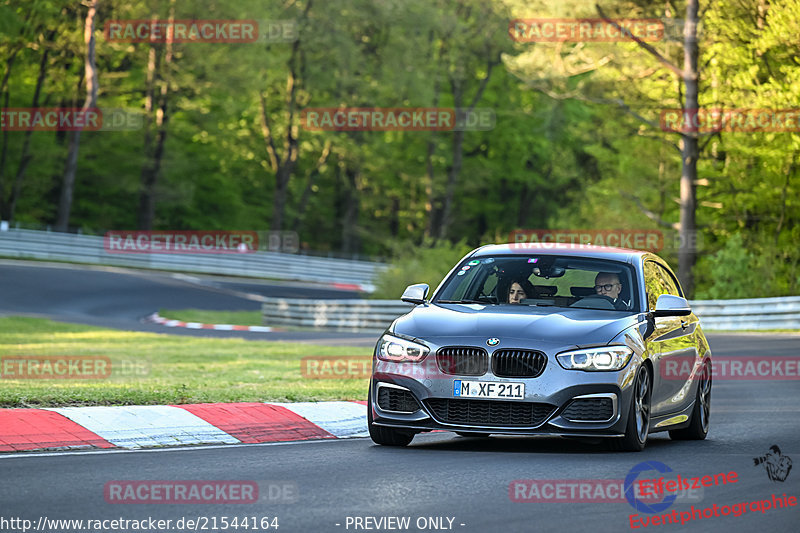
{"x": 494, "y": 341}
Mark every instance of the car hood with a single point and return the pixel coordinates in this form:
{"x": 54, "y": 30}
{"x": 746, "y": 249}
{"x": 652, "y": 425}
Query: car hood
{"x": 553, "y": 326}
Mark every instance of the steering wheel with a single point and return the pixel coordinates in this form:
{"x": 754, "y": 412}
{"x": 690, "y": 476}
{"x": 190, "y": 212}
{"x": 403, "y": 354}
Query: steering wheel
{"x": 598, "y": 298}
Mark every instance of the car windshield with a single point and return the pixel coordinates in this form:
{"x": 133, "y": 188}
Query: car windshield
{"x": 542, "y": 280}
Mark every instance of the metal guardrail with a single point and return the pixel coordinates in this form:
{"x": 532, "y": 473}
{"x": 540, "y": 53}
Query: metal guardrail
{"x": 375, "y": 315}
{"x": 372, "y": 316}
{"x": 755, "y": 314}
{"x": 30, "y": 244}
{"x": 342, "y": 315}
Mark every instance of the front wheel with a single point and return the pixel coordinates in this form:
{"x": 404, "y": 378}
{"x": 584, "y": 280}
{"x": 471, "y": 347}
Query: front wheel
{"x": 383, "y": 435}
{"x": 638, "y": 426}
{"x": 698, "y": 426}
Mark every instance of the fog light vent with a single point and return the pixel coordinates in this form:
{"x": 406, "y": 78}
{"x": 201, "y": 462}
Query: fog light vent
{"x": 397, "y": 400}
{"x": 589, "y": 410}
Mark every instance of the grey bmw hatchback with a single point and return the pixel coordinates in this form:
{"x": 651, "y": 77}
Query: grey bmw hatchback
{"x": 532, "y": 339}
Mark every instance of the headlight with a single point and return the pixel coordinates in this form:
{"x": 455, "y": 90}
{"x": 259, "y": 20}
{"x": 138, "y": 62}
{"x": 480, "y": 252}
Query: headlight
{"x": 398, "y": 350}
{"x": 602, "y": 358}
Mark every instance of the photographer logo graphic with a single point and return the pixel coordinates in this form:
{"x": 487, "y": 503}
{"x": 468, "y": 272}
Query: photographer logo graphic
{"x": 778, "y": 466}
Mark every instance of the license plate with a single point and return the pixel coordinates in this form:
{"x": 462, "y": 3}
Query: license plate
{"x": 488, "y": 389}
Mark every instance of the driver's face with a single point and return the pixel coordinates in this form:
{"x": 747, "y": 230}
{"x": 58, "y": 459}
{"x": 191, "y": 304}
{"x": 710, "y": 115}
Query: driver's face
{"x": 608, "y": 285}
{"x": 516, "y": 294}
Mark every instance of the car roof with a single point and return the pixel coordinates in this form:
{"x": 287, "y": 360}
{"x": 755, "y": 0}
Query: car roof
{"x": 553, "y": 248}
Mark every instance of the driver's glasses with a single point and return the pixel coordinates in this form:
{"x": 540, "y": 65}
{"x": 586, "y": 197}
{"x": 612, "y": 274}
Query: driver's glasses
{"x": 607, "y": 287}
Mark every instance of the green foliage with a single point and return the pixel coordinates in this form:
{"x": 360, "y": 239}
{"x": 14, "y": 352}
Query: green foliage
{"x": 570, "y": 148}
{"x": 732, "y": 271}
{"x": 411, "y": 264}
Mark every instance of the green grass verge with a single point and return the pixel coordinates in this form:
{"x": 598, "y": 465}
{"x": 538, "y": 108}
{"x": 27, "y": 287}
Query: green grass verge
{"x": 155, "y": 369}
{"x": 238, "y": 318}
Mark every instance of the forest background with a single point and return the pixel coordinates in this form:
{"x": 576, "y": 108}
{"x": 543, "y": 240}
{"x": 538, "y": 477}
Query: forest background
{"x": 577, "y": 141}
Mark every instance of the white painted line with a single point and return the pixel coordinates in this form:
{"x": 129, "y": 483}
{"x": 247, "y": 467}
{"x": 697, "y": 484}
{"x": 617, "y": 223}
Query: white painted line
{"x": 341, "y": 419}
{"x": 184, "y": 277}
{"x": 197, "y": 325}
{"x": 146, "y": 425}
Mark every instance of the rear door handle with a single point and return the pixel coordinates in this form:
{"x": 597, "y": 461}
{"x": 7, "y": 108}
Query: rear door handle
{"x": 684, "y": 324}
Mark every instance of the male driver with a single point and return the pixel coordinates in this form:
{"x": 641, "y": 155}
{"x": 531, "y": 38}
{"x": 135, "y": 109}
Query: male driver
{"x": 608, "y": 284}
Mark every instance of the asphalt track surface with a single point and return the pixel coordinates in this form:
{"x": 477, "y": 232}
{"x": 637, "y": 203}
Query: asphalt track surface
{"x": 121, "y": 298}
{"x": 443, "y": 475}
{"x": 438, "y": 475}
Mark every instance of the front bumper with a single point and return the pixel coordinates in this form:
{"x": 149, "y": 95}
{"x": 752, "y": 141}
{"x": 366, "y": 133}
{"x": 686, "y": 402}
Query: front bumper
{"x": 557, "y": 402}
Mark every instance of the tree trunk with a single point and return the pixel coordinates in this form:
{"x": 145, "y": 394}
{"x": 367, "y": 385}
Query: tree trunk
{"x": 147, "y": 202}
{"x": 284, "y": 167}
{"x": 309, "y": 189}
{"x": 689, "y": 154}
{"x": 279, "y": 200}
{"x": 25, "y": 158}
{"x": 458, "y": 140}
{"x": 431, "y": 226}
{"x": 68, "y": 183}
{"x": 452, "y": 178}
{"x": 394, "y": 217}
{"x": 154, "y": 154}
{"x": 4, "y": 215}
{"x": 350, "y": 244}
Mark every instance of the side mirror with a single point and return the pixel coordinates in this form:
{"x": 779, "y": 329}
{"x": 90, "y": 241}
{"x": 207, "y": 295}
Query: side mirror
{"x": 669, "y": 305}
{"x": 415, "y": 294}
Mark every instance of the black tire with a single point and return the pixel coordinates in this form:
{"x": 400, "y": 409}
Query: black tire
{"x": 478, "y": 435}
{"x": 699, "y": 423}
{"x": 636, "y": 431}
{"x": 383, "y": 435}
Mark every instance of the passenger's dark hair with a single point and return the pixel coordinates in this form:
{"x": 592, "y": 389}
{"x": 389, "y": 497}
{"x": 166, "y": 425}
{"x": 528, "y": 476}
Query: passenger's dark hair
{"x": 504, "y": 285}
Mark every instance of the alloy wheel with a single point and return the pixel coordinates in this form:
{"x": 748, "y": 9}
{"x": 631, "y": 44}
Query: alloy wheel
{"x": 704, "y": 396}
{"x": 642, "y": 405}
